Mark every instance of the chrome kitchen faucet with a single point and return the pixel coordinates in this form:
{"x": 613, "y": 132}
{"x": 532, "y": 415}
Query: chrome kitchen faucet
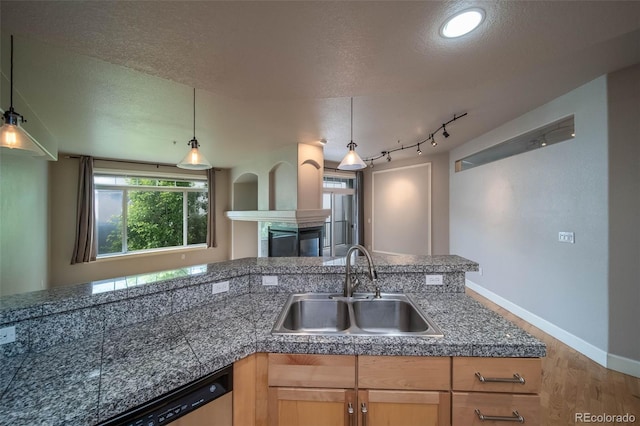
{"x": 350, "y": 282}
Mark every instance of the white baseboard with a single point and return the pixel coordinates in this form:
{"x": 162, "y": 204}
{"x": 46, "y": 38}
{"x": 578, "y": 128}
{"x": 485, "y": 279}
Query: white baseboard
{"x": 580, "y": 345}
{"x": 624, "y": 365}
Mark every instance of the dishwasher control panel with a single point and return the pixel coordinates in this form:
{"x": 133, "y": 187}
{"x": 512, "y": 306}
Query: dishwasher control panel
{"x": 176, "y": 404}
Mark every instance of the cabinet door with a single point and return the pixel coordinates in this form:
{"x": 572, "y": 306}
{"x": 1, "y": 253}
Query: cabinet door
{"x": 406, "y": 408}
{"x": 311, "y": 407}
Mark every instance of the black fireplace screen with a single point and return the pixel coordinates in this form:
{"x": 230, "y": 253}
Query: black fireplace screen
{"x": 286, "y": 242}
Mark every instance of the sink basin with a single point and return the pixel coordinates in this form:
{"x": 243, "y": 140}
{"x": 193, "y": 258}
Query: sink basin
{"x": 383, "y": 316}
{"x": 315, "y": 315}
{"x": 362, "y": 315}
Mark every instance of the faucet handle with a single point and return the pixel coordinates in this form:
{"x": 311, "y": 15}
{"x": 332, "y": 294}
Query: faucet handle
{"x": 377, "y": 295}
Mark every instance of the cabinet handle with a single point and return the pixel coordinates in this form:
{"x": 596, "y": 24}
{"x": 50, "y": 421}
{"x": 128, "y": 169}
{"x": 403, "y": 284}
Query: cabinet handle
{"x": 351, "y": 411}
{"x": 364, "y": 411}
{"x": 515, "y": 418}
{"x": 516, "y": 379}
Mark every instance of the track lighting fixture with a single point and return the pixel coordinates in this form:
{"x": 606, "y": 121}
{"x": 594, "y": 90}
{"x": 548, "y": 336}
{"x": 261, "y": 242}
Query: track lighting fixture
{"x": 12, "y": 135}
{"x": 352, "y": 160}
{"x": 431, "y": 139}
{"x": 194, "y": 160}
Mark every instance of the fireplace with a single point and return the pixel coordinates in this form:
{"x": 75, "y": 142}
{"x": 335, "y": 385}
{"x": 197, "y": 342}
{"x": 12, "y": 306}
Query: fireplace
{"x": 292, "y": 242}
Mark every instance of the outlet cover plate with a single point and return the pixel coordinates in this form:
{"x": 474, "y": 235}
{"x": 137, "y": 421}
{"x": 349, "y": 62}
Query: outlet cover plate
{"x": 269, "y": 280}
{"x": 433, "y": 279}
{"x": 221, "y": 287}
{"x": 566, "y": 237}
{"x": 7, "y": 335}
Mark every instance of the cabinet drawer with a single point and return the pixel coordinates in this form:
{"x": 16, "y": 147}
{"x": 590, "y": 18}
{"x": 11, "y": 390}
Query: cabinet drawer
{"x": 404, "y": 372}
{"x": 312, "y": 371}
{"x": 466, "y": 379}
{"x": 464, "y": 406}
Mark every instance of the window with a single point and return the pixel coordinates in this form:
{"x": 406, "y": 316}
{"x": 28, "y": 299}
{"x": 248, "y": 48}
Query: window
{"x": 139, "y": 213}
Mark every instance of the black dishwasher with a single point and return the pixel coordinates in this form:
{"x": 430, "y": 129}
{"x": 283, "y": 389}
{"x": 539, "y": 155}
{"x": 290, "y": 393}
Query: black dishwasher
{"x": 173, "y": 405}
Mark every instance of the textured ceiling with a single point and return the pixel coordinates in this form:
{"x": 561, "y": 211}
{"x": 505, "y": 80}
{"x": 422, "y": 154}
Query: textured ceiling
{"x": 113, "y": 78}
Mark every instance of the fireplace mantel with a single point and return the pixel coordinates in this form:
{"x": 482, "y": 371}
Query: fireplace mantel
{"x": 298, "y": 217}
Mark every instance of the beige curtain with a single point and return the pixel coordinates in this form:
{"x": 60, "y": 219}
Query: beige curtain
{"x": 85, "y": 248}
{"x": 211, "y": 211}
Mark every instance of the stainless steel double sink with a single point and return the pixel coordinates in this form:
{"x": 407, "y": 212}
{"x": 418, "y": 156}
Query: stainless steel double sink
{"x": 392, "y": 314}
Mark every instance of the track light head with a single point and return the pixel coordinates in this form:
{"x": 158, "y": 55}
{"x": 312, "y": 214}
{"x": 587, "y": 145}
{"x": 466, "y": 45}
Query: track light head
{"x": 419, "y": 150}
{"x": 388, "y": 155}
{"x": 444, "y": 132}
{"x": 433, "y": 141}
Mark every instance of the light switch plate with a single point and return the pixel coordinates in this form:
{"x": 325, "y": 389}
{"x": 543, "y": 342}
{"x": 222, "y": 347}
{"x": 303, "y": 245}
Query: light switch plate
{"x": 433, "y": 279}
{"x": 566, "y": 237}
{"x": 7, "y": 335}
{"x": 269, "y": 280}
{"x": 221, "y": 287}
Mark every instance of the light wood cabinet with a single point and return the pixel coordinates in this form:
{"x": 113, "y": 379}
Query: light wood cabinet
{"x": 491, "y": 391}
{"x": 468, "y": 407}
{"x": 307, "y": 390}
{"x": 406, "y": 408}
{"x": 311, "y": 407}
{"x": 349, "y": 390}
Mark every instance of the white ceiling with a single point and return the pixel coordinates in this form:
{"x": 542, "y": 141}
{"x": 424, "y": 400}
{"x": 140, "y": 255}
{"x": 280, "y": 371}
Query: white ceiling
{"x": 114, "y": 79}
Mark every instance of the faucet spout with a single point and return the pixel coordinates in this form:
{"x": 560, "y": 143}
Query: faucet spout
{"x": 349, "y": 283}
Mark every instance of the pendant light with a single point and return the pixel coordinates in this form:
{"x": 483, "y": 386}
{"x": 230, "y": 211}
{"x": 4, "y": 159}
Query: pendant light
{"x": 352, "y": 160}
{"x": 194, "y": 160}
{"x": 12, "y": 136}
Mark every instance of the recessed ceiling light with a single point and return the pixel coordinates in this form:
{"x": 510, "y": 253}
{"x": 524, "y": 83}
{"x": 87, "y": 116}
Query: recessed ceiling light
{"x": 462, "y": 23}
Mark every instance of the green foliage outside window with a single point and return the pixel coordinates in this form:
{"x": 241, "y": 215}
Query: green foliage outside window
{"x": 155, "y": 218}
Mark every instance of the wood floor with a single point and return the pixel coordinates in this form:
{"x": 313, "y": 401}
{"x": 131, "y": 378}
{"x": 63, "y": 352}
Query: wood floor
{"x": 572, "y": 383}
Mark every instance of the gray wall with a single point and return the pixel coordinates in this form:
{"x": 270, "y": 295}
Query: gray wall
{"x": 439, "y": 197}
{"x": 506, "y": 215}
{"x": 624, "y": 213}
{"x": 23, "y": 224}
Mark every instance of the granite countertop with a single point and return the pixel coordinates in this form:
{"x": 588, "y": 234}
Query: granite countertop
{"x": 88, "y": 352}
{"x": 90, "y": 380}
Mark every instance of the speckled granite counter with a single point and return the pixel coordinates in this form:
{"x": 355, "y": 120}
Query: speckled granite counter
{"x": 135, "y": 348}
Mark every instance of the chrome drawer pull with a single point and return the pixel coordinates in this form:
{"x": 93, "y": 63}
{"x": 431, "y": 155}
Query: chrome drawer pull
{"x": 350, "y": 410}
{"x": 363, "y": 409}
{"x": 516, "y": 417}
{"x": 516, "y": 379}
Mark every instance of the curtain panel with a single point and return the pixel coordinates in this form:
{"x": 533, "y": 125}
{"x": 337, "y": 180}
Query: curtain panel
{"x": 85, "y": 248}
{"x": 211, "y": 212}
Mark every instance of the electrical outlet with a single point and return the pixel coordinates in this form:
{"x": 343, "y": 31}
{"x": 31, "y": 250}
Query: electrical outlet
{"x": 433, "y": 279}
{"x": 566, "y": 237}
{"x": 219, "y": 287}
{"x": 7, "y": 335}
{"x": 269, "y": 280}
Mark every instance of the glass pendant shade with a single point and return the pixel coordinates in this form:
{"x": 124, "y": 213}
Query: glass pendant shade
{"x": 15, "y": 139}
{"x": 194, "y": 160}
{"x": 352, "y": 160}
{"x": 12, "y": 136}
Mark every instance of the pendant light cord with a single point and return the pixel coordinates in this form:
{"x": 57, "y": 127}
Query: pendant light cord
{"x": 352, "y": 119}
{"x": 11, "y": 107}
{"x": 194, "y": 112}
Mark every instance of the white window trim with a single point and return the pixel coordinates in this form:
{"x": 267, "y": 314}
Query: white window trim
{"x": 126, "y": 188}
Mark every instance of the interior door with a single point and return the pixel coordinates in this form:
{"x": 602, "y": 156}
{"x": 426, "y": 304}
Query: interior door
{"x": 340, "y": 227}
